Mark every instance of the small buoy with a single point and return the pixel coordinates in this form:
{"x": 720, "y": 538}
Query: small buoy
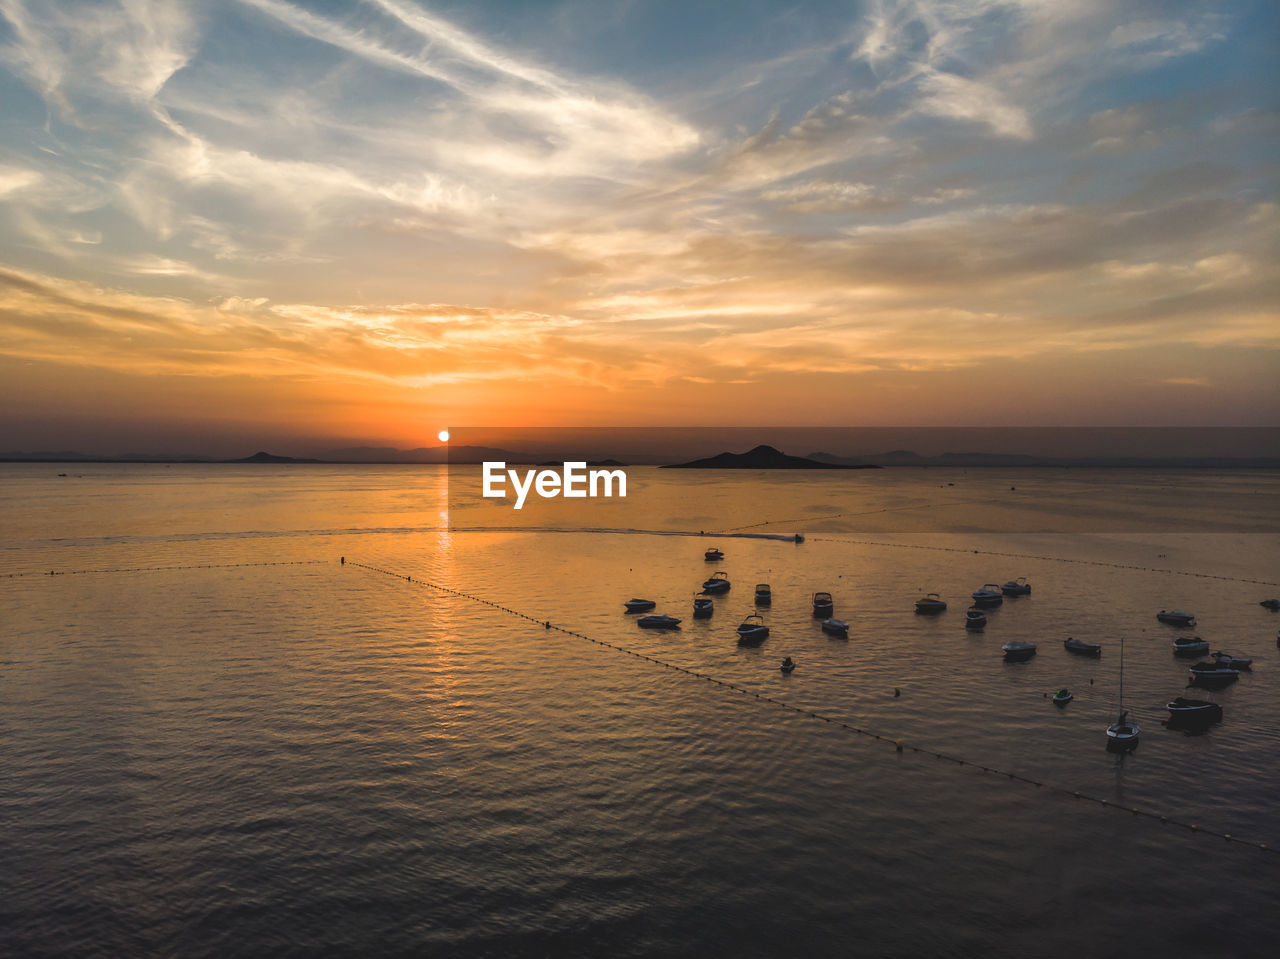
{"x": 896, "y": 692}
{"x": 342, "y": 560}
{"x": 1011, "y": 488}
{"x": 547, "y": 624}
{"x": 898, "y": 745}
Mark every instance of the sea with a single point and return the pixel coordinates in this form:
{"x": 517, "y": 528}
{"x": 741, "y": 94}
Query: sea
{"x": 313, "y": 710}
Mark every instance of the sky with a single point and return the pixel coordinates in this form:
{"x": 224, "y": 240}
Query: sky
{"x": 305, "y": 225}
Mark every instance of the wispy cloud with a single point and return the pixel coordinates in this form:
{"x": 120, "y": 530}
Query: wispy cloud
{"x": 380, "y": 193}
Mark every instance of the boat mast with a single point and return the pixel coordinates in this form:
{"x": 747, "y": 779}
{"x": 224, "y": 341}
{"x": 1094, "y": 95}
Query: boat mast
{"x": 1121, "y": 675}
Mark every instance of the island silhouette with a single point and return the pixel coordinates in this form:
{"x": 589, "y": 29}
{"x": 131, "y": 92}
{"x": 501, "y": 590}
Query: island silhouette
{"x": 764, "y": 458}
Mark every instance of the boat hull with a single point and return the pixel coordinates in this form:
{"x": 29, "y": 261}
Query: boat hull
{"x": 658, "y": 622}
{"x": 1081, "y": 648}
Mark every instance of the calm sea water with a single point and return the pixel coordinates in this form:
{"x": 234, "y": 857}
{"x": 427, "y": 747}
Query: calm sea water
{"x": 206, "y": 755}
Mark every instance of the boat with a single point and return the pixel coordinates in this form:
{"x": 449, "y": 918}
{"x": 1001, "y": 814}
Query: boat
{"x": 1192, "y": 646}
{"x": 1016, "y": 587}
{"x": 1232, "y": 662}
{"x": 764, "y": 595}
{"x": 989, "y": 595}
{"x": 703, "y": 607}
{"x": 1193, "y": 712}
{"x": 1062, "y": 697}
{"x": 752, "y": 630}
{"x": 1212, "y": 674}
{"x": 823, "y": 607}
{"x": 787, "y": 665}
{"x": 1017, "y": 651}
{"x": 836, "y": 627}
{"x": 713, "y": 555}
{"x": 930, "y": 603}
{"x": 718, "y": 583}
{"x": 658, "y": 622}
{"x": 1081, "y": 648}
{"x": 1175, "y": 617}
{"x": 1123, "y": 733}
{"x": 1270, "y": 603}
{"x": 975, "y": 619}
{"x": 639, "y": 605}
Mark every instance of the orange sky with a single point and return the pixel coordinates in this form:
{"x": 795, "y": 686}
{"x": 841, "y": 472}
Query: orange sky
{"x": 268, "y": 224}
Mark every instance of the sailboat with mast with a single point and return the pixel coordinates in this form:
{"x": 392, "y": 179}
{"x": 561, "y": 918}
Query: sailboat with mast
{"x": 1123, "y": 733}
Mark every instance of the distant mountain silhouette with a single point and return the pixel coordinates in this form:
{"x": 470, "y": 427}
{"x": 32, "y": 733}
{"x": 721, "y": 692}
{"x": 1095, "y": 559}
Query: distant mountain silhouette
{"x": 264, "y": 457}
{"x": 763, "y": 458}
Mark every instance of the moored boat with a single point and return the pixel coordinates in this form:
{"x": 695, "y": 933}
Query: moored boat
{"x": 1081, "y": 648}
{"x": 1062, "y": 697}
{"x": 1123, "y": 733}
{"x": 1232, "y": 662}
{"x": 1190, "y": 646}
{"x": 752, "y": 630}
{"x": 787, "y": 665}
{"x": 1017, "y": 651}
{"x": 713, "y": 555}
{"x": 1016, "y": 587}
{"x": 836, "y": 627}
{"x": 989, "y": 595}
{"x": 639, "y": 605}
{"x": 823, "y": 607}
{"x": 1270, "y": 603}
{"x": 1193, "y": 712}
{"x": 718, "y": 583}
{"x": 1175, "y": 617}
{"x": 930, "y": 603}
{"x": 975, "y": 619}
{"x": 658, "y": 622}
{"x": 703, "y": 607}
{"x": 764, "y": 595}
{"x": 1212, "y": 674}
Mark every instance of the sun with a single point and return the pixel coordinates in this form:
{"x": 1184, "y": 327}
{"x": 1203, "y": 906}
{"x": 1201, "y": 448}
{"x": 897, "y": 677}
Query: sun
{"x": 443, "y": 436}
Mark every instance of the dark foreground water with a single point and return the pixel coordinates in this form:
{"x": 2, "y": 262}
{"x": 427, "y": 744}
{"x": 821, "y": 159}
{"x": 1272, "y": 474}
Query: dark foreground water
{"x": 312, "y": 758}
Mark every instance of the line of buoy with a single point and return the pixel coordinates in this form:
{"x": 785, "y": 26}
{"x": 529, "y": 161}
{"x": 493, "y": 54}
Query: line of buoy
{"x": 157, "y": 569}
{"x": 898, "y": 744}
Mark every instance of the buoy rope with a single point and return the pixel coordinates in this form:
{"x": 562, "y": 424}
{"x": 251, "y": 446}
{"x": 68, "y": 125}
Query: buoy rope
{"x": 1048, "y": 559}
{"x": 156, "y": 569}
{"x": 898, "y": 744}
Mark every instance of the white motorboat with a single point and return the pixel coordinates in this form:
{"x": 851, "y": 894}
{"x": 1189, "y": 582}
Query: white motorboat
{"x": 930, "y": 603}
{"x": 639, "y": 605}
{"x": 718, "y": 583}
{"x": 1016, "y": 587}
{"x": 1190, "y": 646}
{"x": 1081, "y": 648}
{"x": 823, "y": 606}
{"x": 703, "y": 606}
{"x": 836, "y": 627}
{"x": 975, "y": 619}
{"x": 1175, "y": 617}
{"x": 989, "y": 595}
{"x": 752, "y": 630}
{"x": 1017, "y": 651}
{"x": 1232, "y": 662}
{"x": 658, "y": 622}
